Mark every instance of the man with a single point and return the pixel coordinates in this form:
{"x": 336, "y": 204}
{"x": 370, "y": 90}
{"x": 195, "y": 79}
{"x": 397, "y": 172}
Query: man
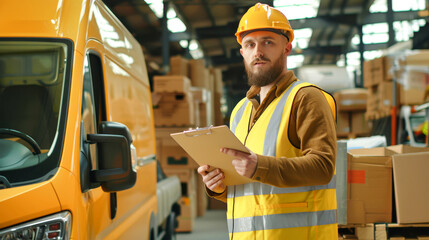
{"x": 289, "y": 128}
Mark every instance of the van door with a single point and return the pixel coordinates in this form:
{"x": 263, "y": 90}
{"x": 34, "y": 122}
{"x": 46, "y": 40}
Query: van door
{"x": 127, "y": 214}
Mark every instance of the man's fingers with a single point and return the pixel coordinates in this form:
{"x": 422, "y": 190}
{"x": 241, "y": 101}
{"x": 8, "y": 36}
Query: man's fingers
{"x": 203, "y": 170}
{"x": 234, "y": 153}
{"x": 215, "y": 179}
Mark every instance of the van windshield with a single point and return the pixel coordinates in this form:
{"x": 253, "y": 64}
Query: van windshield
{"x": 34, "y": 76}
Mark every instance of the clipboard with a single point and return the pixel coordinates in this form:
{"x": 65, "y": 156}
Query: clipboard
{"x": 204, "y": 144}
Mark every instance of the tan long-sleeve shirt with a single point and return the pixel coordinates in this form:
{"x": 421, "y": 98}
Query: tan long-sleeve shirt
{"x": 311, "y": 128}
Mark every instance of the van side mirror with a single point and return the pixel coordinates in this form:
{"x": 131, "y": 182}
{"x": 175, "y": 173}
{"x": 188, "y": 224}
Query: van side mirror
{"x": 115, "y": 171}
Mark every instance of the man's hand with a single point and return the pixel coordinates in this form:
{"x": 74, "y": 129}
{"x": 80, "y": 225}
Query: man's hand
{"x": 213, "y": 179}
{"x": 244, "y": 163}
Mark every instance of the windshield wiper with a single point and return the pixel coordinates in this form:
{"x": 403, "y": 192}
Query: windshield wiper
{"x": 4, "y": 183}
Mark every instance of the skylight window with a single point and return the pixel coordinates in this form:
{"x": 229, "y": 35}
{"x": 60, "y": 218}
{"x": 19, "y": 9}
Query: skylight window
{"x": 293, "y": 9}
{"x": 302, "y": 37}
{"x": 398, "y": 5}
{"x": 174, "y": 24}
{"x": 375, "y": 33}
{"x": 295, "y": 61}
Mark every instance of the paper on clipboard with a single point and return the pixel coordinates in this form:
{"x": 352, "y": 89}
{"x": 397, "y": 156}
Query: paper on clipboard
{"x": 204, "y": 144}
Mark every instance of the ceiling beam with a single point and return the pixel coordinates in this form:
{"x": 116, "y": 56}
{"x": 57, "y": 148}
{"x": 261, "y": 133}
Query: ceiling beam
{"x": 314, "y": 23}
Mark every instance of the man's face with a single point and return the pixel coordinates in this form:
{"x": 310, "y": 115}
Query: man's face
{"x": 264, "y": 55}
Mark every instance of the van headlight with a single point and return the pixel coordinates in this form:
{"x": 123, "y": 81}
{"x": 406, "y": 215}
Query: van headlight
{"x": 57, "y": 226}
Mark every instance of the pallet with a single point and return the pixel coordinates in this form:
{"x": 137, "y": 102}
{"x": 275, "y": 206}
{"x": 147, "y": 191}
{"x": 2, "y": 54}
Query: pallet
{"x": 384, "y": 231}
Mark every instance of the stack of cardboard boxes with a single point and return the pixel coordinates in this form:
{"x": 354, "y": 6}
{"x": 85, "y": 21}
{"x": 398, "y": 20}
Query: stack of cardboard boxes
{"x": 371, "y": 173}
{"x": 185, "y": 99}
{"x": 377, "y": 77}
{"x": 351, "y": 108}
{"x": 411, "y": 74}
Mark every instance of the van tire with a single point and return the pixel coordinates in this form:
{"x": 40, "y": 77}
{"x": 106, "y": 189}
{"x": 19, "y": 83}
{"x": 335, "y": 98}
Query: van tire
{"x": 170, "y": 227}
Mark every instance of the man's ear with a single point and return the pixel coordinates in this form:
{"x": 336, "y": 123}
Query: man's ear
{"x": 288, "y": 48}
{"x": 241, "y": 51}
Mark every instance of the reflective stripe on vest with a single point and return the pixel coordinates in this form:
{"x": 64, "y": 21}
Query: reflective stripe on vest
{"x": 258, "y": 188}
{"x": 285, "y": 220}
{"x": 270, "y": 143}
{"x": 238, "y": 115}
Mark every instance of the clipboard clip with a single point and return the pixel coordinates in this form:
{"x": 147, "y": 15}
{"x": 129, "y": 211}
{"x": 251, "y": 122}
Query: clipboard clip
{"x": 198, "y": 131}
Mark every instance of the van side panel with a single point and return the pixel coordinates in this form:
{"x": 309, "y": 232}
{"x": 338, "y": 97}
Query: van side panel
{"x": 129, "y": 103}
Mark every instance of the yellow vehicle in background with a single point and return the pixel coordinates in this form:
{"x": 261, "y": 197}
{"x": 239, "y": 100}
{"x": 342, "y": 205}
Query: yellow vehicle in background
{"x": 77, "y": 139}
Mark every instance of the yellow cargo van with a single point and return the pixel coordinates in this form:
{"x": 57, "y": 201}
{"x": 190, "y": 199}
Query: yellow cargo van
{"x": 77, "y": 140}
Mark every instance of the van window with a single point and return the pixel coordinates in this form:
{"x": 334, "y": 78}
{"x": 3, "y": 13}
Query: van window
{"x": 34, "y": 85}
{"x": 88, "y": 110}
{"x": 93, "y": 107}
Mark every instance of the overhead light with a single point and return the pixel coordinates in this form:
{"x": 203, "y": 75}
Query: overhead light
{"x": 154, "y": 65}
{"x": 196, "y": 54}
{"x": 157, "y": 7}
{"x": 176, "y": 25}
{"x": 193, "y": 45}
{"x": 171, "y": 13}
{"x": 184, "y": 43}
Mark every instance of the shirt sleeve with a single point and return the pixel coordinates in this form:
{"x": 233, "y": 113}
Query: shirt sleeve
{"x": 218, "y": 196}
{"x": 312, "y": 129}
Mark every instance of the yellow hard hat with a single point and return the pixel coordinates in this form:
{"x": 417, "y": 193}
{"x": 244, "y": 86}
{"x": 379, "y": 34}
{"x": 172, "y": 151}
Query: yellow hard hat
{"x": 264, "y": 17}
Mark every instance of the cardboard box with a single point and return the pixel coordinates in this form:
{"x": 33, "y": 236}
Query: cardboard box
{"x": 414, "y": 78}
{"x": 417, "y": 57}
{"x": 202, "y": 197}
{"x": 170, "y": 154}
{"x": 354, "y": 99}
{"x": 203, "y": 111}
{"x": 198, "y": 73}
{"x": 377, "y": 70}
{"x": 411, "y": 180}
{"x": 367, "y": 75}
{"x": 412, "y": 96}
{"x": 187, "y": 177}
{"x": 343, "y": 122}
{"x": 218, "y": 117}
{"x": 369, "y": 192}
{"x": 188, "y": 201}
{"x": 218, "y": 82}
{"x": 359, "y": 124}
{"x": 178, "y": 66}
{"x": 171, "y": 84}
{"x": 173, "y": 109}
{"x": 187, "y": 215}
{"x": 402, "y": 148}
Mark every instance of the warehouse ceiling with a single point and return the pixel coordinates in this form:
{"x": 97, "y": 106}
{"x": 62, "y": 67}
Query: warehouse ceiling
{"x": 213, "y": 24}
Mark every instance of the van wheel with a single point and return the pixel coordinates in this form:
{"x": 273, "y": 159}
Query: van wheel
{"x": 170, "y": 228}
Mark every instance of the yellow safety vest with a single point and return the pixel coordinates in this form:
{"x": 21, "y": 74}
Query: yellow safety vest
{"x": 261, "y": 211}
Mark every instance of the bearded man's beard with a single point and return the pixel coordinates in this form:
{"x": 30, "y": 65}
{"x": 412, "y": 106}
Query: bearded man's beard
{"x": 266, "y": 77}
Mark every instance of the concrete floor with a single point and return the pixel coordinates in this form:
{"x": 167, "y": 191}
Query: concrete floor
{"x": 211, "y": 226}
